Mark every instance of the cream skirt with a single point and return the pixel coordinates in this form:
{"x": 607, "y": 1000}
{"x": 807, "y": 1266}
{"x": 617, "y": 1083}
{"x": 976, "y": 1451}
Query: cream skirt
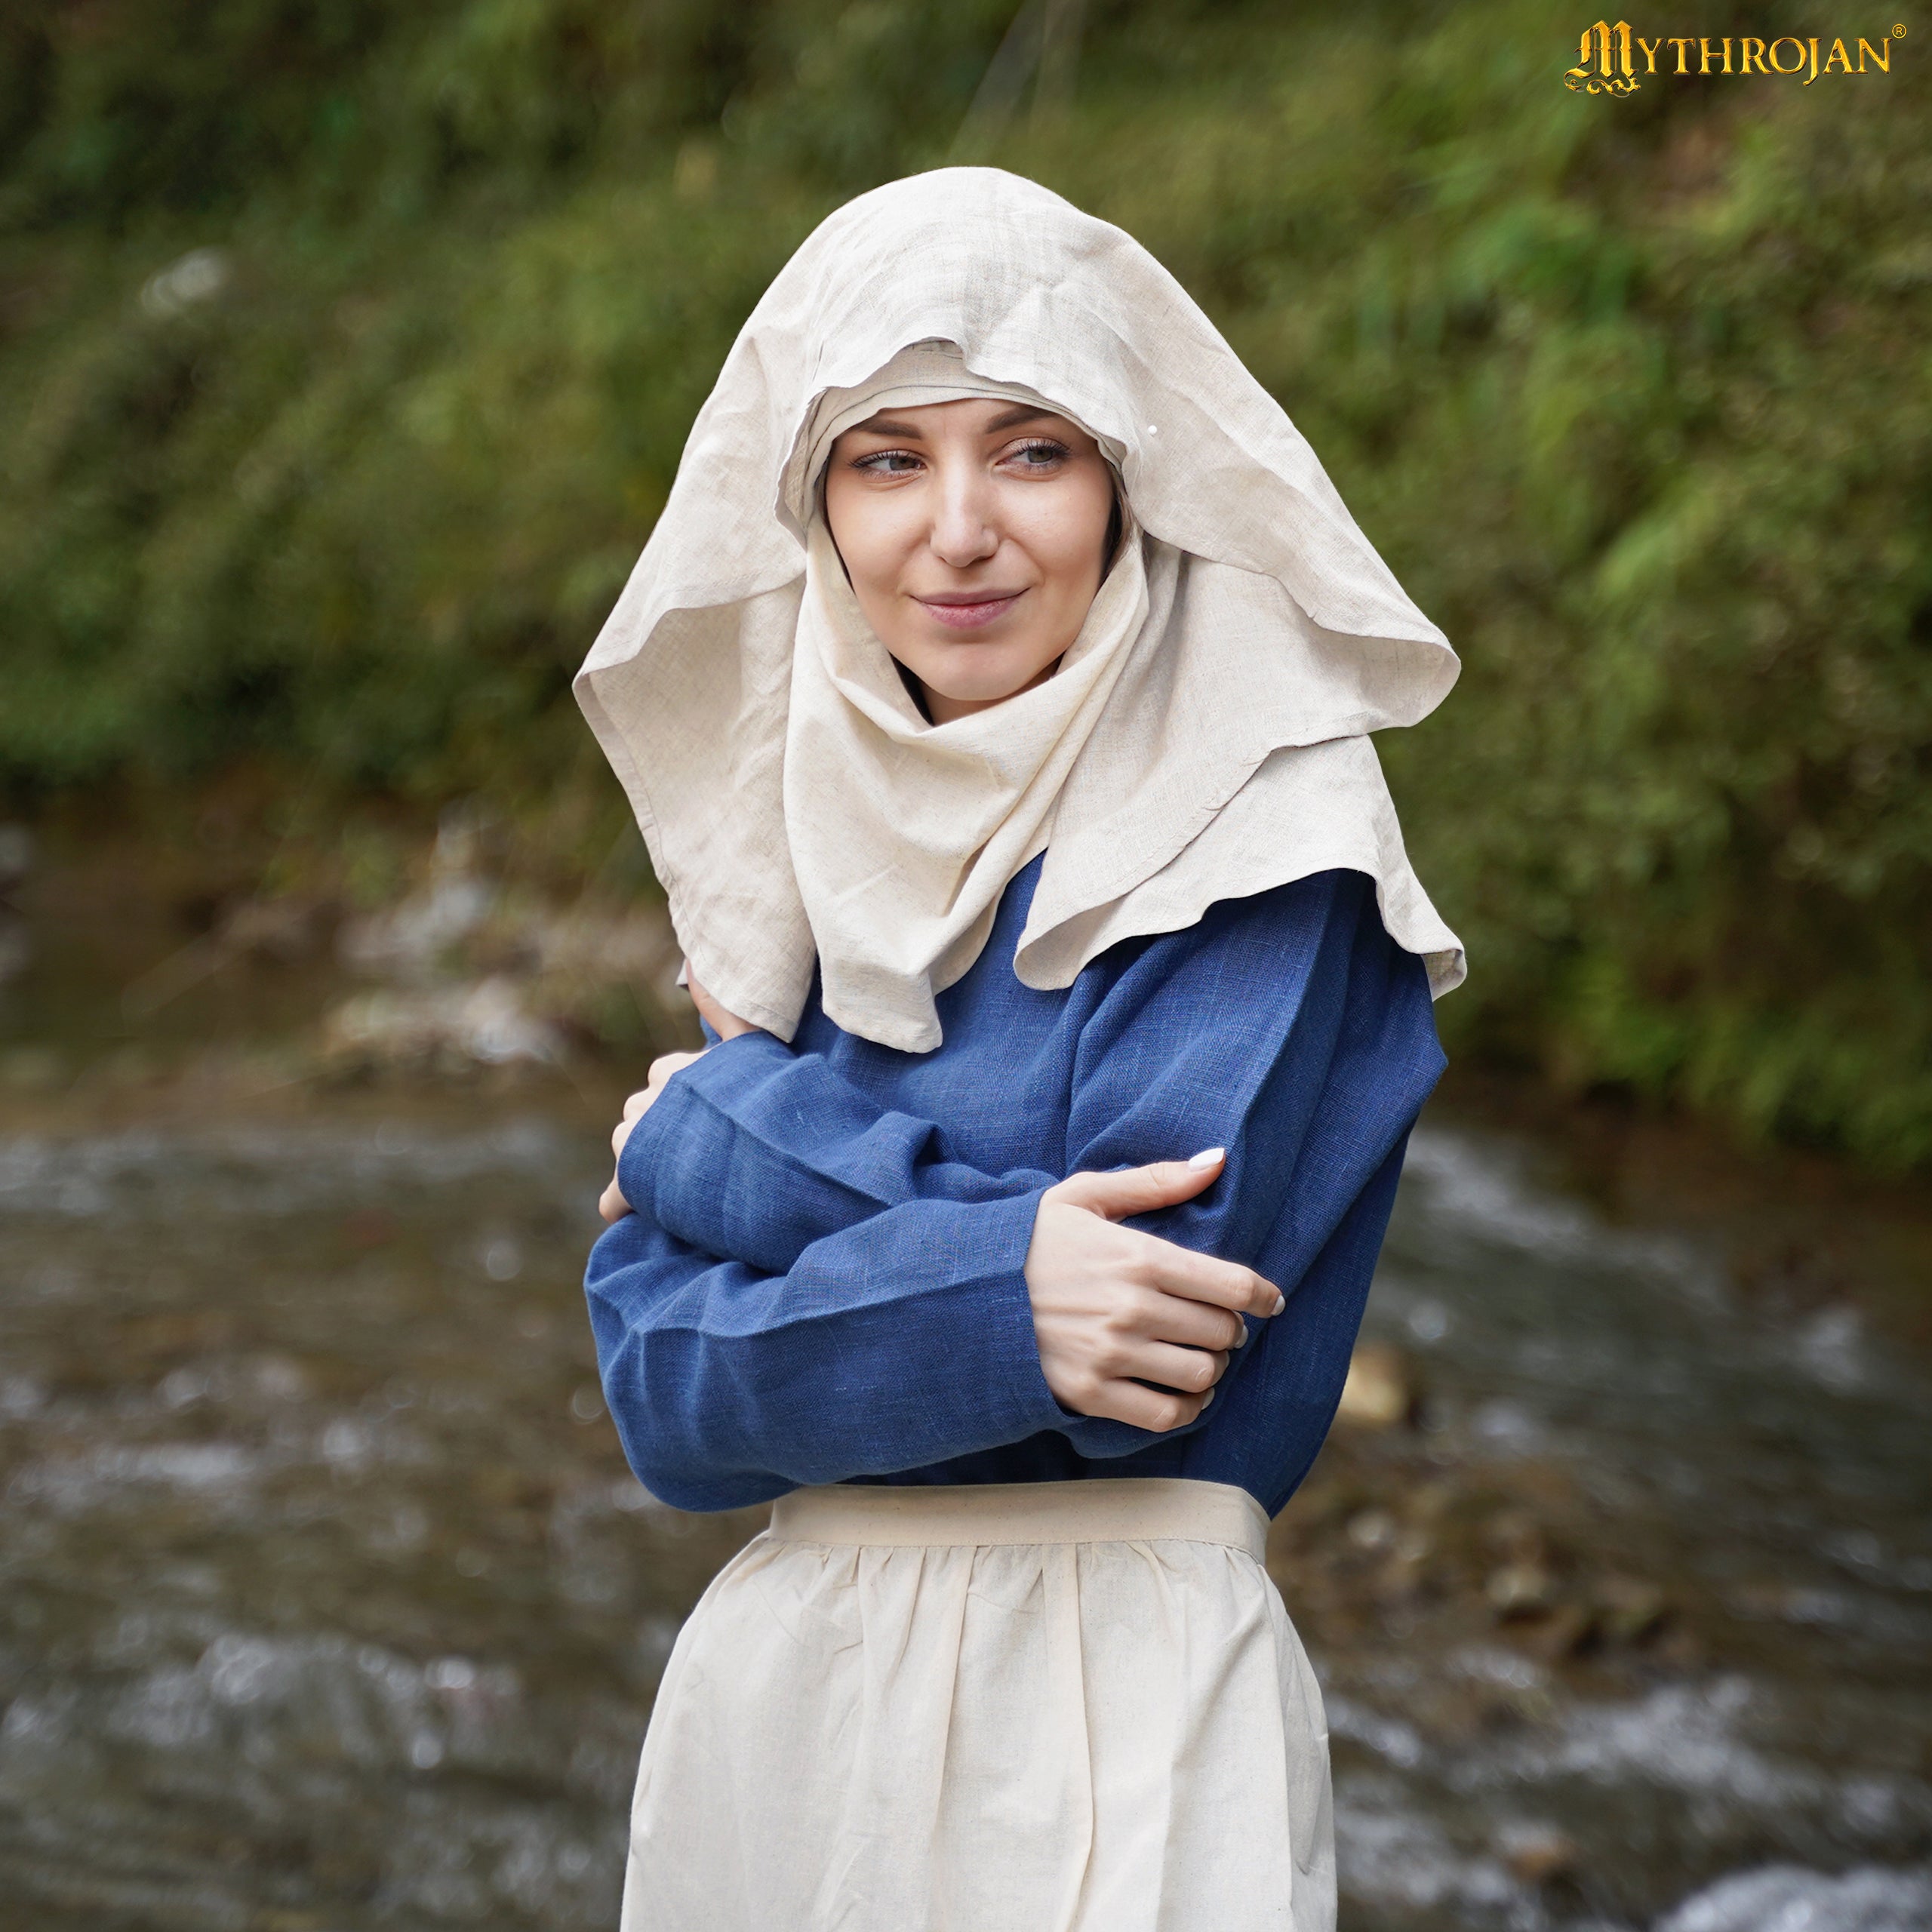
{"x": 1032, "y": 1707}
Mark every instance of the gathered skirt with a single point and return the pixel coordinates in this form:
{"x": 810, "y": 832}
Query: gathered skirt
{"x": 1032, "y": 1707}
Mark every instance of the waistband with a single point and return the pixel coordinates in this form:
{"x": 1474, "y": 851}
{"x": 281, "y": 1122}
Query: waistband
{"x": 1107, "y": 1509}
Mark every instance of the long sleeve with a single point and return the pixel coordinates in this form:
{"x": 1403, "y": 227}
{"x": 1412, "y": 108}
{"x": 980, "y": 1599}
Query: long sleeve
{"x": 756, "y": 1152}
{"x": 906, "y": 1339}
{"x": 820, "y": 1285}
{"x": 1228, "y": 1035}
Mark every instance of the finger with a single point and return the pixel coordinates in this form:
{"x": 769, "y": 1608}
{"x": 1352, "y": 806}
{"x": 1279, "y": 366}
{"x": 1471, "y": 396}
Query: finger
{"x": 620, "y": 1134}
{"x": 1146, "y": 1408}
{"x": 1175, "y": 1270}
{"x": 1192, "y": 1371}
{"x": 638, "y": 1102}
{"x": 1141, "y": 1190}
{"x": 1188, "y": 1323}
{"x": 611, "y": 1204}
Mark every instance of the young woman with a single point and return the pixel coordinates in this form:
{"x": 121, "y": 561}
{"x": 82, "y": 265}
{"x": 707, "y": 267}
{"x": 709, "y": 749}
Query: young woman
{"x": 993, "y": 695}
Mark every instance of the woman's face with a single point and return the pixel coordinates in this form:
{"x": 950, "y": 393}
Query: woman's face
{"x": 973, "y": 533}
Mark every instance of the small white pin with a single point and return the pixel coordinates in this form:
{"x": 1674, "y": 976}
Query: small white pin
{"x": 1153, "y": 429}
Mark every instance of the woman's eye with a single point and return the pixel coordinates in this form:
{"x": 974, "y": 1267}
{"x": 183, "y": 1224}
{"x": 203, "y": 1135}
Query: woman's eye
{"x": 888, "y": 463}
{"x": 1038, "y": 456}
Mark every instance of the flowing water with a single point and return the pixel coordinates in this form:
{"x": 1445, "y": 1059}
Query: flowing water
{"x": 326, "y": 1601}
{"x": 1773, "y": 1476}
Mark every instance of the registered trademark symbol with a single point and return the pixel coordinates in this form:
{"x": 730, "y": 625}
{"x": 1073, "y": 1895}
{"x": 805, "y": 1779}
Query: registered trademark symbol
{"x": 1898, "y": 31}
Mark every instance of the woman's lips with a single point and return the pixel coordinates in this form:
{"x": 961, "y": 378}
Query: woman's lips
{"x": 972, "y": 615}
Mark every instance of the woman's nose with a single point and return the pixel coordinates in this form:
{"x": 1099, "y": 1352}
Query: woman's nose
{"x": 963, "y": 533}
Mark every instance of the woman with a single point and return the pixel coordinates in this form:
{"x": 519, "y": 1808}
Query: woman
{"x": 992, "y": 693}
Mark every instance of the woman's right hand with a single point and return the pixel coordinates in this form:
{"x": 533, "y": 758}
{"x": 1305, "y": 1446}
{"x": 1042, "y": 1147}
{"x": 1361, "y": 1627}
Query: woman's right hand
{"x": 611, "y": 1204}
{"x": 1115, "y": 1308}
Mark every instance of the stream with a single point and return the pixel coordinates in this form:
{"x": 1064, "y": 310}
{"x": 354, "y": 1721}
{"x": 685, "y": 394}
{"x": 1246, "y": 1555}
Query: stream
{"x": 327, "y": 1602}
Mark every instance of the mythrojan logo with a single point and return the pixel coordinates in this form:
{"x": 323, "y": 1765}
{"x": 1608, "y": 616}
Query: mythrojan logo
{"x": 1609, "y": 59}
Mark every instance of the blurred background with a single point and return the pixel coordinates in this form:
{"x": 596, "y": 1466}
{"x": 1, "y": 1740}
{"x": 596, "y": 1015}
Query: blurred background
{"x": 347, "y": 352}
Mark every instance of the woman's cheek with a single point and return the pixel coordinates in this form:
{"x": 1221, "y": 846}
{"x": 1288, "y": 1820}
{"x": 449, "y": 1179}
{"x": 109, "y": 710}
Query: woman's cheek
{"x": 1063, "y": 530}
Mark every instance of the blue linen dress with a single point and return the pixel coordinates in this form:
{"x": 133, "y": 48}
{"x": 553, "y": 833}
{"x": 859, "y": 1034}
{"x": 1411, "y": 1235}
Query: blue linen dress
{"x": 822, "y": 1281}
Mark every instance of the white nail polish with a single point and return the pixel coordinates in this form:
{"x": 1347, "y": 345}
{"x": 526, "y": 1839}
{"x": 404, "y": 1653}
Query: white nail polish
{"x": 1281, "y": 1302}
{"x": 1208, "y": 1157}
{"x": 1207, "y": 1398}
{"x": 1241, "y": 1340}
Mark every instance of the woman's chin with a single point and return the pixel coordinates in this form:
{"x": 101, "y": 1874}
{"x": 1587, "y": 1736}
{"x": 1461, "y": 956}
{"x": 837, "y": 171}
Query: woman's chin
{"x": 990, "y": 682}
{"x": 975, "y": 694}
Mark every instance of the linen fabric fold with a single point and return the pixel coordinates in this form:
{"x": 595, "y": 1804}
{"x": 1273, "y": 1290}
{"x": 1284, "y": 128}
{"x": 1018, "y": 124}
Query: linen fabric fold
{"x": 1203, "y": 740}
{"x": 903, "y": 834}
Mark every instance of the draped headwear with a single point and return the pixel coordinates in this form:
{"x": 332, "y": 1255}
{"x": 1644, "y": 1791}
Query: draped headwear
{"x": 1204, "y": 737}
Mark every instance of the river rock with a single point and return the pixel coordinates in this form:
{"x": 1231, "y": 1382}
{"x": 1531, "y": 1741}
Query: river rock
{"x": 1537, "y": 1854}
{"x": 487, "y": 1024}
{"x": 1520, "y": 1589}
{"x": 287, "y": 930}
{"x": 411, "y": 941}
{"x": 1629, "y": 1610}
{"x": 1380, "y": 1391}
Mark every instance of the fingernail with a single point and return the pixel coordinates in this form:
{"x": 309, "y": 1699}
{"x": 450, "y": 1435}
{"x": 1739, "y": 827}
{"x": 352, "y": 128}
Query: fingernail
{"x": 1207, "y": 1398}
{"x": 1241, "y": 1340}
{"x": 1281, "y": 1302}
{"x": 1208, "y": 1157}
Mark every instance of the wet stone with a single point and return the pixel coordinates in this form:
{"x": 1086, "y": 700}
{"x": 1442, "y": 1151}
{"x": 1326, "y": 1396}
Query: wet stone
{"x": 1537, "y": 1854}
{"x": 1380, "y": 1391}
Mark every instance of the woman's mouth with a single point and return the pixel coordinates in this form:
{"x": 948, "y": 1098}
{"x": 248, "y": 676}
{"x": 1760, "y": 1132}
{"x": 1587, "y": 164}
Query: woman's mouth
{"x": 969, "y": 611}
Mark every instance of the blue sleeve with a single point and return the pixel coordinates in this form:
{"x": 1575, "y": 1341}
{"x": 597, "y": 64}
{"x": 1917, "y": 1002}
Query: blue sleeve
{"x": 905, "y": 1339}
{"x": 1301, "y": 1038}
{"x": 873, "y": 1316}
{"x": 1271, "y": 1016}
{"x": 755, "y": 1151}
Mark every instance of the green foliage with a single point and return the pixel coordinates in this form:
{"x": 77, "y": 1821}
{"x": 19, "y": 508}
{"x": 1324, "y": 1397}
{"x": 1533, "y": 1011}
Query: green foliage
{"x": 1632, "y": 393}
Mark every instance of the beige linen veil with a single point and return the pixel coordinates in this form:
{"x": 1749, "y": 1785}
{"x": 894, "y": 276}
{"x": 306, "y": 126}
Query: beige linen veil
{"x": 1205, "y": 738}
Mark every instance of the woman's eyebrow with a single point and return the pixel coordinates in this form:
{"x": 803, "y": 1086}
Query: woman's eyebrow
{"x": 1011, "y": 419}
{"x": 884, "y": 425}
